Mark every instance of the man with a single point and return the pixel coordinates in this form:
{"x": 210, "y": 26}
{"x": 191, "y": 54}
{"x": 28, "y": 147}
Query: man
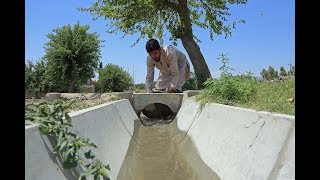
{"x": 174, "y": 68}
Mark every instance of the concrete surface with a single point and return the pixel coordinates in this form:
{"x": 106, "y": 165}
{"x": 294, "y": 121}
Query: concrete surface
{"x": 235, "y": 143}
{"x": 140, "y": 100}
{"x": 240, "y": 143}
{"x": 109, "y": 126}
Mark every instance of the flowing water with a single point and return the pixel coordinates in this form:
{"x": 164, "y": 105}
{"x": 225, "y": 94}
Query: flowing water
{"x": 162, "y": 152}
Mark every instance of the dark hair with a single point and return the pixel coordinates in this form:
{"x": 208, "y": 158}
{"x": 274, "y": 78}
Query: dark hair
{"x": 152, "y": 45}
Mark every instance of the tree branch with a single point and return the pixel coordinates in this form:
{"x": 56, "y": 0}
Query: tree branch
{"x": 170, "y": 4}
{"x": 207, "y": 7}
{"x": 185, "y": 16}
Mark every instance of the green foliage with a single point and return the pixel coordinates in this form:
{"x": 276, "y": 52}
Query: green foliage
{"x": 151, "y": 18}
{"x": 269, "y": 74}
{"x": 54, "y": 121}
{"x": 113, "y": 78}
{"x": 272, "y": 74}
{"x": 228, "y": 89}
{"x": 276, "y": 96}
{"x": 72, "y": 56}
{"x": 28, "y": 70}
{"x": 139, "y": 88}
{"x": 192, "y": 83}
{"x": 34, "y": 76}
{"x": 291, "y": 71}
{"x": 283, "y": 72}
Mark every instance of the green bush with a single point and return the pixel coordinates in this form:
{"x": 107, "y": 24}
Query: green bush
{"x": 34, "y": 76}
{"x": 140, "y": 88}
{"x": 113, "y": 78}
{"x": 192, "y": 83}
{"x": 229, "y": 89}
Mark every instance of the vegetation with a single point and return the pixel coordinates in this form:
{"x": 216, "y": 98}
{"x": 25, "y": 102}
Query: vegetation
{"x": 272, "y": 74}
{"x": 192, "y": 83}
{"x": 54, "y": 121}
{"x": 245, "y": 91}
{"x": 277, "y": 96}
{"x": 228, "y": 89}
{"x": 34, "y": 76}
{"x": 140, "y": 88}
{"x": 152, "y": 18}
{"x": 72, "y": 56}
{"x": 113, "y": 78}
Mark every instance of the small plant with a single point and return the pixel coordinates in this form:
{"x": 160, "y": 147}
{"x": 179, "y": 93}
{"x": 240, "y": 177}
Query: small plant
{"x": 192, "y": 83}
{"x": 228, "y": 89}
{"x": 54, "y": 121}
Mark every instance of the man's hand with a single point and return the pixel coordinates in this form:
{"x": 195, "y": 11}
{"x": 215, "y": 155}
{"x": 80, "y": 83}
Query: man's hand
{"x": 170, "y": 90}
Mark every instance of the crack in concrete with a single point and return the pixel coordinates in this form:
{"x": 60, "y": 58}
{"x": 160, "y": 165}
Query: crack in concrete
{"x": 264, "y": 122}
{"x": 259, "y": 117}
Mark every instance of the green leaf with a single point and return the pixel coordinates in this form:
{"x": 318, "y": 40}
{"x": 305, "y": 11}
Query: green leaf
{"x": 70, "y": 152}
{"x": 96, "y": 177}
{"x": 64, "y": 143}
{"x": 68, "y": 118}
{"x": 69, "y": 164}
{"x": 89, "y": 154}
{"x": 83, "y": 175}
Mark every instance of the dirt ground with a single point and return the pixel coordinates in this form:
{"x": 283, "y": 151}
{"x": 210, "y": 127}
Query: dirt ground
{"x": 77, "y": 104}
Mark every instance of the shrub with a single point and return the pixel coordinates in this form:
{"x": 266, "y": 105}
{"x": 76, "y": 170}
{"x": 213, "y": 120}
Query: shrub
{"x": 229, "y": 89}
{"x": 192, "y": 83}
{"x": 113, "y": 78}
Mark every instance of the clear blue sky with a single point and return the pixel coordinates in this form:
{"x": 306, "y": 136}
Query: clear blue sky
{"x": 266, "y": 39}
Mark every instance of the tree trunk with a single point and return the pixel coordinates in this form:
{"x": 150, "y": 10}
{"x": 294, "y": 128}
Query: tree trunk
{"x": 72, "y": 86}
{"x": 199, "y": 64}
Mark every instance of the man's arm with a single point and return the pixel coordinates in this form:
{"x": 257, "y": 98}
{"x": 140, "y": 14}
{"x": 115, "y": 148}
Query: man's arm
{"x": 149, "y": 76}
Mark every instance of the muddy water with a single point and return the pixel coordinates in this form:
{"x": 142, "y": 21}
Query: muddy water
{"x": 162, "y": 152}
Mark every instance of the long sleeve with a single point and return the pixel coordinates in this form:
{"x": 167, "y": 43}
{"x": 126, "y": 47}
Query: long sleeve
{"x": 149, "y": 76}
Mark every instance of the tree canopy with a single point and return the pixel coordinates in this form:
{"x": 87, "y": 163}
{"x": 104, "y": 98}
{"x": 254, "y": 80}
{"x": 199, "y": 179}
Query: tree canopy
{"x": 113, "y": 78}
{"x": 72, "y": 56}
{"x": 150, "y": 18}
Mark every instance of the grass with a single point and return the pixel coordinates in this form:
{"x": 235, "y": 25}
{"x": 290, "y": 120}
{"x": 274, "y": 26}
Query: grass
{"x": 271, "y": 96}
{"x": 275, "y": 97}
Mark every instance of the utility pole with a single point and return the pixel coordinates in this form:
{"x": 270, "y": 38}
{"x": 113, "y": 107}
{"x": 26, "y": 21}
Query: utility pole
{"x": 133, "y": 74}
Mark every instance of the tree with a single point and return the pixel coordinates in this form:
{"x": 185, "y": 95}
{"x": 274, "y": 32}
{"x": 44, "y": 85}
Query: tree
{"x": 72, "y": 56}
{"x": 192, "y": 83}
{"x": 283, "y": 71}
{"x": 273, "y": 74}
{"x": 291, "y": 71}
{"x": 264, "y": 74}
{"x": 28, "y": 67}
{"x": 150, "y": 18}
{"x": 114, "y": 78}
{"x": 34, "y": 76}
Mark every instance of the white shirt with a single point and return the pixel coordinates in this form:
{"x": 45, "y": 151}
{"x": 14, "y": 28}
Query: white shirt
{"x": 171, "y": 62}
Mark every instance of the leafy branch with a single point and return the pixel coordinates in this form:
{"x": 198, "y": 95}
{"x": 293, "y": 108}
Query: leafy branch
{"x": 54, "y": 121}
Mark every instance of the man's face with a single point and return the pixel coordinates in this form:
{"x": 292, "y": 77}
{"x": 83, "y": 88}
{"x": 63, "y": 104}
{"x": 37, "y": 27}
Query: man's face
{"x": 155, "y": 55}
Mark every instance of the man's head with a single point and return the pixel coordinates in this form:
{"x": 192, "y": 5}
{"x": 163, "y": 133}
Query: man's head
{"x": 153, "y": 48}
